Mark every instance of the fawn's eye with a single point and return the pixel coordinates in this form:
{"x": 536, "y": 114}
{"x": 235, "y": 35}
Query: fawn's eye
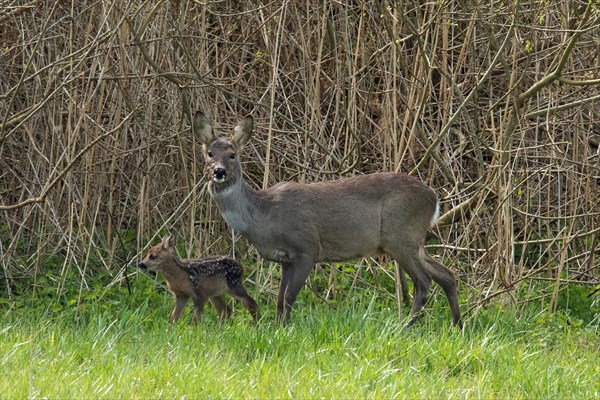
{"x": 153, "y": 256}
{"x": 232, "y": 156}
{"x": 210, "y": 154}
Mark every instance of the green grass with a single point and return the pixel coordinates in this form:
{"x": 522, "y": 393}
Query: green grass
{"x": 124, "y": 348}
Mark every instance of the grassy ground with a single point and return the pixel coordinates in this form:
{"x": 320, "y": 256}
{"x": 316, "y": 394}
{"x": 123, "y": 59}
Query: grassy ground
{"x": 124, "y": 348}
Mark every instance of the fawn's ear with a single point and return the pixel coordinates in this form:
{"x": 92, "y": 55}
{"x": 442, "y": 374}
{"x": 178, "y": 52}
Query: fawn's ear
{"x": 202, "y": 127}
{"x": 242, "y": 132}
{"x": 168, "y": 241}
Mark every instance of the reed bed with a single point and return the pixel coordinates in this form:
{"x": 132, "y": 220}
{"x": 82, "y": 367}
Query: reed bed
{"x": 494, "y": 104}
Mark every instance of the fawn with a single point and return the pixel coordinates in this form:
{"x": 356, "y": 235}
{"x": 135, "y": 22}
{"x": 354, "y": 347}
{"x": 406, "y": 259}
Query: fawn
{"x": 202, "y": 279}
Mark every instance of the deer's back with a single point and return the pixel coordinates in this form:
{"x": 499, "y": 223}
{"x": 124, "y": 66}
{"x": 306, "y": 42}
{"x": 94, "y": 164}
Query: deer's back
{"x": 345, "y": 218}
{"x": 214, "y": 275}
{"x": 360, "y": 189}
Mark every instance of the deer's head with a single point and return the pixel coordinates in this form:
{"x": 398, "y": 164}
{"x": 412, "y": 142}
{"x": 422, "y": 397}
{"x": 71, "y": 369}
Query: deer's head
{"x": 221, "y": 154}
{"x": 158, "y": 255}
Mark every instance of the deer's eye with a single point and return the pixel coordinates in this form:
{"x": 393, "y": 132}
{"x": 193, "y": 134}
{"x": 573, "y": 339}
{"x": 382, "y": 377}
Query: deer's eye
{"x": 210, "y": 154}
{"x": 232, "y": 156}
{"x": 153, "y": 256}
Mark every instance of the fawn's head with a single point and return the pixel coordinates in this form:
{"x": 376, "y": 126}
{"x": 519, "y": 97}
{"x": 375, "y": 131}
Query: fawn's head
{"x": 221, "y": 154}
{"x": 159, "y": 254}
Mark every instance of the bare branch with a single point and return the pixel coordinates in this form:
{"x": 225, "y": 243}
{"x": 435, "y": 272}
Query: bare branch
{"x": 50, "y": 185}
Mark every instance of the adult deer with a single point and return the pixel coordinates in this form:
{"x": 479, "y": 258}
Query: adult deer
{"x": 299, "y": 225}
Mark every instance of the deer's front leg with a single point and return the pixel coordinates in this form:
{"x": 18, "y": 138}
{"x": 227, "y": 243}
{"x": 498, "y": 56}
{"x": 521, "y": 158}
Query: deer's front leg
{"x": 180, "y": 302}
{"x": 293, "y": 277}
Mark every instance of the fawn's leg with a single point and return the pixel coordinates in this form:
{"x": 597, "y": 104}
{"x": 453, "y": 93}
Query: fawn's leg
{"x": 180, "y": 302}
{"x": 220, "y": 305}
{"x": 239, "y": 292}
{"x": 199, "y": 303}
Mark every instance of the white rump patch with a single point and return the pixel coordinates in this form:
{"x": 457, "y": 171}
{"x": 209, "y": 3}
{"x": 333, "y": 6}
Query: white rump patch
{"x": 436, "y": 215}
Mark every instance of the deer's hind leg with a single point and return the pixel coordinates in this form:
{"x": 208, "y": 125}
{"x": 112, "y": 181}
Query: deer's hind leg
{"x": 199, "y": 303}
{"x": 240, "y": 293}
{"x": 410, "y": 259}
{"x": 445, "y": 278}
{"x": 221, "y": 306}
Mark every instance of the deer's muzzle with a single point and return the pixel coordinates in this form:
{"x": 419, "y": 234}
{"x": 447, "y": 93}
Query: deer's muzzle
{"x": 219, "y": 175}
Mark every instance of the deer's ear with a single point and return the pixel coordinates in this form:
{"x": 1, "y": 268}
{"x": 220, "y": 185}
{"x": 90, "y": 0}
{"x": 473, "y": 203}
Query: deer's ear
{"x": 243, "y": 131}
{"x": 203, "y": 128}
{"x": 168, "y": 241}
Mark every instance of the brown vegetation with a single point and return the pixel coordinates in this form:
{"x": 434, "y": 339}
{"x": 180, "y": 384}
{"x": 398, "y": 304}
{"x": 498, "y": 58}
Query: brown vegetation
{"x": 494, "y": 104}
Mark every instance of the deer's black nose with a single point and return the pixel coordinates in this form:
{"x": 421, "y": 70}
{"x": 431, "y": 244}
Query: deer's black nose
{"x": 220, "y": 173}
{"x": 142, "y": 266}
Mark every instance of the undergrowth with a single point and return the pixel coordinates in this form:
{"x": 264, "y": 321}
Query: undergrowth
{"x": 120, "y": 345}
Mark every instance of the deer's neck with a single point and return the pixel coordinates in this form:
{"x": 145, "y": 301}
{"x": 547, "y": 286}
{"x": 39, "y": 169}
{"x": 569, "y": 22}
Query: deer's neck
{"x": 238, "y": 205}
{"x": 178, "y": 278}
{"x": 174, "y": 270}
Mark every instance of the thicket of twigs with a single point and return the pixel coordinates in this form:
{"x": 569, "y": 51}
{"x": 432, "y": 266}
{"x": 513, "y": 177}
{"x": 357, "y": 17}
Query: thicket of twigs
{"x": 494, "y": 104}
